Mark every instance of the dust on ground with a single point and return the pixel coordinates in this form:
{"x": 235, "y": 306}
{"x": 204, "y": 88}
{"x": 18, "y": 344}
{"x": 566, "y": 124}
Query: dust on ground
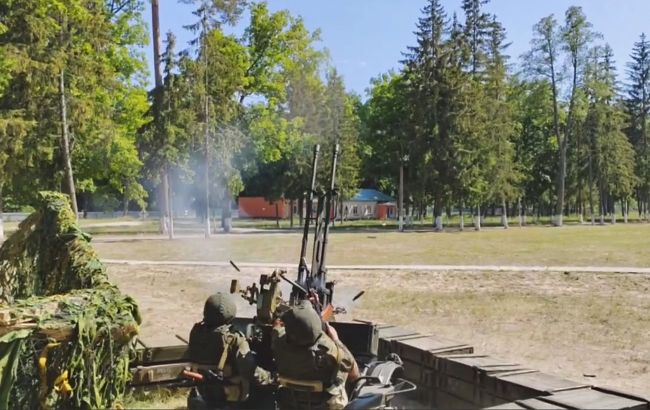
{"x": 570, "y": 325}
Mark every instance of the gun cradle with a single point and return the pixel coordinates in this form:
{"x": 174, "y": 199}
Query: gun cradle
{"x": 267, "y": 297}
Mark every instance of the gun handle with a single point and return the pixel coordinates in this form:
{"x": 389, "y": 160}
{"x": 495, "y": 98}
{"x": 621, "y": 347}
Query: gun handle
{"x": 327, "y": 313}
{"x": 192, "y": 375}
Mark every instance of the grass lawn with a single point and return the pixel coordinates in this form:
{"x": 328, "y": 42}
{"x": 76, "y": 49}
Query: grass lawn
{"x": 568, "y": 325}
{"x": 113, "y": 226}
{"x": 156, "y": 398}
{"x": 609, "y": 245}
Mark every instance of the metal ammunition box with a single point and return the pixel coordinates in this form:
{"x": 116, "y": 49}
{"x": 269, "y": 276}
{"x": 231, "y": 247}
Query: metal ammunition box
{"x": 581, "y": 398}
{"x": 389, "y": 333}
{"x": 528, "y": 384}
{"x": 423, "y": 349}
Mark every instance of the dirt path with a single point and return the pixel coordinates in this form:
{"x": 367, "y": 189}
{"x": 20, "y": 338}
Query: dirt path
{"x": 426, "y": 268}
{"x": 568, "y": 324}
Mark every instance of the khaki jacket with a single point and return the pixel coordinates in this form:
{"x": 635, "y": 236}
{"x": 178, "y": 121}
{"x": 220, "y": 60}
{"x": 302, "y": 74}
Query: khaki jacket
{"x": 325, "y": 364}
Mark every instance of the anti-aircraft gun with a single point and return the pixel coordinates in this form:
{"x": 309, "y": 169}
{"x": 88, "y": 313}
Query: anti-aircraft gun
{"x": 310, "y": 284}
{"x": 380, "y": 381}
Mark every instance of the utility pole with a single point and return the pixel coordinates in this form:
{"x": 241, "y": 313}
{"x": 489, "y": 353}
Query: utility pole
{"x": 166, "y": 225}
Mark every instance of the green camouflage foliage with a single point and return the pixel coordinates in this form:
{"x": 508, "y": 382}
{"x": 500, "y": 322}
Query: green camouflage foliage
{"x": 48, "y": 254}
{"x": 55, "y": 289}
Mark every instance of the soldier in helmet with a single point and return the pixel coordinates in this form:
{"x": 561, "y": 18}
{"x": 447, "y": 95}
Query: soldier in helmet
{"x": 313, "y": 365}
{"x": 215, "y": 343}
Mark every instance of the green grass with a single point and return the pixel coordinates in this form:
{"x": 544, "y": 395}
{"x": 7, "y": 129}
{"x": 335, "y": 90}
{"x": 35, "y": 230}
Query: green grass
{"x": 449, "y": 222}
{"x": 617, "y": 245}
{"x": 147, "y": 227}
{"x": 128, "y": 225}
{"x": 566, "y": 325}
{"x": 112, "y": 226}
{"x": 156, "y": 398}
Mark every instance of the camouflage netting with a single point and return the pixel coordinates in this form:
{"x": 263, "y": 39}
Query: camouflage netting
{"x": 66, "y": 333}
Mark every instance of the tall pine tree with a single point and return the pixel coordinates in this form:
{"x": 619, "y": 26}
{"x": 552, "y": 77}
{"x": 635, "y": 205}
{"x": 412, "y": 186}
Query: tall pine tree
{"x": 638, "y": 109}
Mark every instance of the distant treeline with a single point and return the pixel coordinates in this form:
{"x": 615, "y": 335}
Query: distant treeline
{"x": 233, "y": 115}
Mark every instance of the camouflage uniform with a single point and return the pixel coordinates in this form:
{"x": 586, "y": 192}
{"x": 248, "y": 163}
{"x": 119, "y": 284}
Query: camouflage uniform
{"x": 312, "y": 367}
{"x": 214, "y": 342}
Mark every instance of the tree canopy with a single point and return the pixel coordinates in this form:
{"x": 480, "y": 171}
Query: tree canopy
{"x": 552, "y": 133}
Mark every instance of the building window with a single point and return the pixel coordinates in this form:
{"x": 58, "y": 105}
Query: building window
{"x": 355, "y": 210}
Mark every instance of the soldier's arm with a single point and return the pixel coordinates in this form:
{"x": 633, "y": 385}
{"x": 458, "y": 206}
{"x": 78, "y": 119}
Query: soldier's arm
{"x": 247, "y": 364}
{"x": 276, "y": 333}
{"x": 348, "y": 363}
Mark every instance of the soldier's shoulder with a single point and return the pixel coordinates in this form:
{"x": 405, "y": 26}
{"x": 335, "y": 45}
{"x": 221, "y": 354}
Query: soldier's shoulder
{"x": 230, "y": 332}
{"x": 336, "y": 349}
{"x": 326, "y": 344}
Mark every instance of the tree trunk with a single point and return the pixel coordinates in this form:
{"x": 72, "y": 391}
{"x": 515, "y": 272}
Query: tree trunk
{"x": 169, "y": 214}
{"x": 291, "y": 214}
{"x": 206, "y": 175}
{"x": 301, "y": 210}
{"x": 461, "y": 223}
{"x": 206, "y": 117}
{"x": 208, "y": 230}
{"x": 277, "y": 215}
{"x": 85, "y": 199}
{"x": 504, "y": 214}
{"x": 164, "y": 187}
{"x": 644, "y": 137}
{"x": 226, "y": 213}
{"x": 559, "y": 217}
{"x": 2, "y": 228}
{"x": 602, "y": 207}
{"x": 624, "y": 205}
{"x": 591, "y": 192}
{"x": 581, "y": 217}
{"x": 560, "y": 140}
{"x": 401, "y": 198}
{"x": 165, "y": 212}
{"x": 67, "y": 159}
{"x": 477, "y": 220}
{"x": 125, "y": 203}
{"x": 564, "y": 145}
{"x": 437, "y": 215}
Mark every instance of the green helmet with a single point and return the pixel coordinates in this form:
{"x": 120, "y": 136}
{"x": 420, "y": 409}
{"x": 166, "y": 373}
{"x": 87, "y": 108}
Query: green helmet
{"x": 220, "y": 309}
{"x": 303, "y": 325}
